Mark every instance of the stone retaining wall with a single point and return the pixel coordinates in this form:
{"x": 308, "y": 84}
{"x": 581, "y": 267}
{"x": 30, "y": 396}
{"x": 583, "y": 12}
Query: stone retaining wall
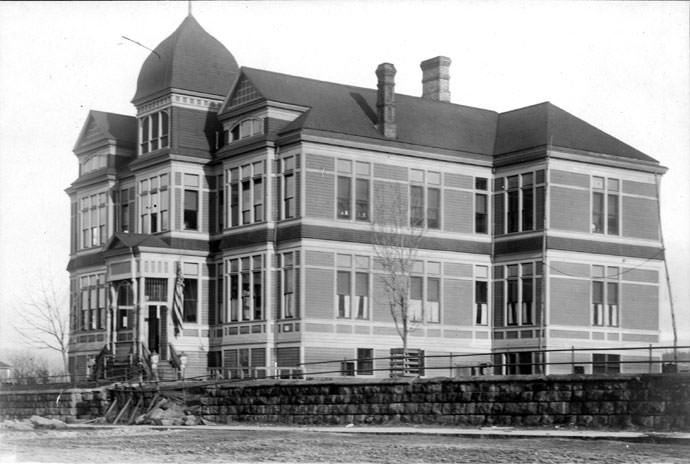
{"x": 645, "y": 401}
{"x": 63, "y": 404}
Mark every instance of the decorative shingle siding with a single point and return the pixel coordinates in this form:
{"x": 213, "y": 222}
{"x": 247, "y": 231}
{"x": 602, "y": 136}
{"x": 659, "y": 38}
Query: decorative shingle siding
{"x": 639, "y": 188}
{"x": 388, "y": 171}
{"x": 319, "y": 258}
{"x": 192, "y": 131}
{"x": 639, "y": 306}
{"x": 298, "y": 194}
{"x": 379, "y": 306}
{"x": 458, "y": 181}
{"x": 570, "y": 302}
{"x": 560, "y": 268}
{"x": 457, "y": 270}
{"x": 569, "y": 209}
{"x": 457, "y": 302}
{"x": 569, "y": 178}
{"x": 320, "y": 195}
{"x": 458, "y": 215}
{"x": 640, "y": 218}
{"x": 640, "y": 275}
{"x": 319, "y": 294}
{"x": 320, "y": 162}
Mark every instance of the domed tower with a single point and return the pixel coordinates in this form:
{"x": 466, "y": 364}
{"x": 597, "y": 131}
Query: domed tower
{"x": 180, "y": 88}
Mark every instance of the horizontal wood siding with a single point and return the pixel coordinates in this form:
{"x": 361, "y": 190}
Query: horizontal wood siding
{"x": 560, "y": 268}
{"x": 193, "y": 132}
{"x": 457, "y": 270}
{"x": 640, "y": 218}
{"x": 320, "y": 201}
{"x": 569, "y": 209}
{"x": 319, "y": 258}
{"x": 457, "y": 302}
{"x": 498, "y": 304}
{"x": 205, "y": 296}
{"x": 569, "y": 178}
{"x": 287, "y": 356}
{"x": 458, "y": 181}
{"x": 639, "y": 306}
{"x": 640, "y": 275}
{"x": 389, "y": 171}
{"x": 390, "y": 203}
{"x": 639, "y": 188}
{"x": 499, "y": 212}
{"x": 319, "y": 293}
{"x": 379, "y": 307}
{"x": 570, "y": 302}
{"x": 320, "y": 162}
{"x": 458, "y": 211}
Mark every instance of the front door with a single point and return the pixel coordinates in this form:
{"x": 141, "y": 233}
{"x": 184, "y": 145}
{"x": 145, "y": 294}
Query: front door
{"x": 154, "y": 341}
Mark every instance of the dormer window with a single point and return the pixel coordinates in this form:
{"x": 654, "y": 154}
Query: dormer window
{"x": 153, "y": 131}
{"x": 246, "y": 128}
{"x": 92, "y": 163}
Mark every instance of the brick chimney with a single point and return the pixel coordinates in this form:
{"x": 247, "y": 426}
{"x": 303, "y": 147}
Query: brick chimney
{"x": 435, "y": 78}
{"x": 385, "y": 101}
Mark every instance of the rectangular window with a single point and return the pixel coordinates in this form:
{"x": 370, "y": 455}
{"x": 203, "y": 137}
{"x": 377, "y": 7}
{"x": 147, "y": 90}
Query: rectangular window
{"x": 258, "y": 200}
{"x": 124, "y": 211}
{"x": 246, "y": 202}
{"x": 527, "y": 301}
{"x": 234, "y": 204}
{"x": 604, "y": 363}
{"x": 257, "y": 294}
{"x": 190, "y": 297}
{"x": 433, "y": 293}
{"x": 416, "y": 206}
{"x": 344, "y": 197}
{"x": 343, "y": 293}
{"x": 527, "y": 202}
{"x": 289, "y": 196}
{"x": 362, "y": 295}
{"x": 598, "y": 212}
{"x": 433, "y": 211}
{"x": 512, "y": 302}
{"x": 365, "y": 361}
{"x": 164, "y": 207}
{"x": 598, "y": 303}
{"x": 612, "y": 214}
{"x": 415, "y": 311}
{"x": 191, "y": 209}
{"x": 481, "y": 303}
{"x": 612, "y": 304}
{"x": 362, "y": 199}
{"x": 234, "y": 297}
{"x": 480, "y": 213}
{"x": 288, "y": 293}
{"x": 513, "y": 211}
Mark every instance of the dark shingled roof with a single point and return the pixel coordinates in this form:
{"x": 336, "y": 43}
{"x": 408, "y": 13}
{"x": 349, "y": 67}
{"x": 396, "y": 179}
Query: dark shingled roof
{"x": 114, "y": 126}
{"x": 189, "y": 59}
{"x": 121, "y": 240}
{"x": 349, "y": 110}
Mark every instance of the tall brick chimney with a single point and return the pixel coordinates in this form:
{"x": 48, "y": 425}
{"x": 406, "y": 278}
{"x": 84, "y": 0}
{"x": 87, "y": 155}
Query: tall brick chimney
{"x": 385, "y": 101}
{"x": 436, "y": 78}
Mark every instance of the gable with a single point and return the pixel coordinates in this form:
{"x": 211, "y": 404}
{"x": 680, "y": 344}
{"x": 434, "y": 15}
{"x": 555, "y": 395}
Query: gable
{"x": 102, "y": 128}
{"x": 91, "y": 134}
{"x": 243, "y": 92}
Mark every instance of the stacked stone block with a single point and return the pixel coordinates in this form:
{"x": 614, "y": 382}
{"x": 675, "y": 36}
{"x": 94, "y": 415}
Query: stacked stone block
{"x": 62, "y": 404}
{"x": 648, "y": 401}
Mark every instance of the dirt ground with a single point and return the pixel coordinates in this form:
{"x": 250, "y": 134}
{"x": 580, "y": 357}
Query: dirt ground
{"x": 146, "y": 445}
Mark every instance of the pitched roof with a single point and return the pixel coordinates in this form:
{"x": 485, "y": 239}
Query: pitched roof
{"x": 350, "y": 110}
{"x": 189, "y": 59}
{"x": 545, "y": 123}
{"x": 121, "y": 240}
{"x": 100, "y": 126}
{"x": 4, "y": 365}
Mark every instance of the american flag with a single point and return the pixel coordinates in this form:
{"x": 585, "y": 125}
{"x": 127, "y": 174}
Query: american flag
{"x": 177, "y": 300}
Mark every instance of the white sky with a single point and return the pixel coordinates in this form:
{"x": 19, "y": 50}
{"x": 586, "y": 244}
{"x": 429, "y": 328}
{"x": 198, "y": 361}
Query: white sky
{"x": 621, "y": 66}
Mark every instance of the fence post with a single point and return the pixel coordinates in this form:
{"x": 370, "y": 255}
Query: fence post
{"x": 572, "y": 359}
{"x": 650, "y": 358}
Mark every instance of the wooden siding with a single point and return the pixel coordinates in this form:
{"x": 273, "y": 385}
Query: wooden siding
{"x": 499, "y": 320}
{"x": 569, "y": 178}
{"x": 499, "y": 212}
{"x": 319, "y": 293}
{"x": 193, "y": 132}
{"x": 458, "y": 211}
{"x": 458, "y": 296}
{"x": 457, "y": 270}
{"x": 320, "y": 162}
{"x": 458, "y": 181}
{"x": 639, "y": 306}
{"x": 320, "y": 192}
{"x": 570, "y": 302}
{"x": 639, "y": 188}
{"x": 640, "y": 218}
{"x": 640, "y": 275}
{"x": 560, "y": 268}
{"x": 389, "y": 171}
{"x": 390, "y": 200}
{"x": 287, "y": 356}
{"x": 569, "y": 209}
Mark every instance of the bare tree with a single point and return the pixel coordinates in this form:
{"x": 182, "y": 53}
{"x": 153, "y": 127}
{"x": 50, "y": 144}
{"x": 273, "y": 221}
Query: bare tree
{"x": 397, "y": 237}
{"x": 27, "y": 368}
{"x": 45, "y": 321}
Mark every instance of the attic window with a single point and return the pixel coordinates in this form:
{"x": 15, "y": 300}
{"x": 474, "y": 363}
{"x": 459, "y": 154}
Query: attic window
{"x": 246, "y": 128}
{"x": 154, "y": 131}
{"x": 92, "y": 163}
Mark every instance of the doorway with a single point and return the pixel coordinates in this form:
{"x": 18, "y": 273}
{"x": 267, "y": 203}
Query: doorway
{"x": 157, "y": 330}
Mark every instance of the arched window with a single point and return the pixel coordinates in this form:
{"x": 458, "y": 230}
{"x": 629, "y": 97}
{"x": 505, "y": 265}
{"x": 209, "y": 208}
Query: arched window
{"x": 154, "y": 130}
{"x": 247, "y": 128}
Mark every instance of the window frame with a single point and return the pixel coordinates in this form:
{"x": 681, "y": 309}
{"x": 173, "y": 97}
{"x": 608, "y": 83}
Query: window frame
{"x": 603, "y": 197}
{"x": 154, "y": 138}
